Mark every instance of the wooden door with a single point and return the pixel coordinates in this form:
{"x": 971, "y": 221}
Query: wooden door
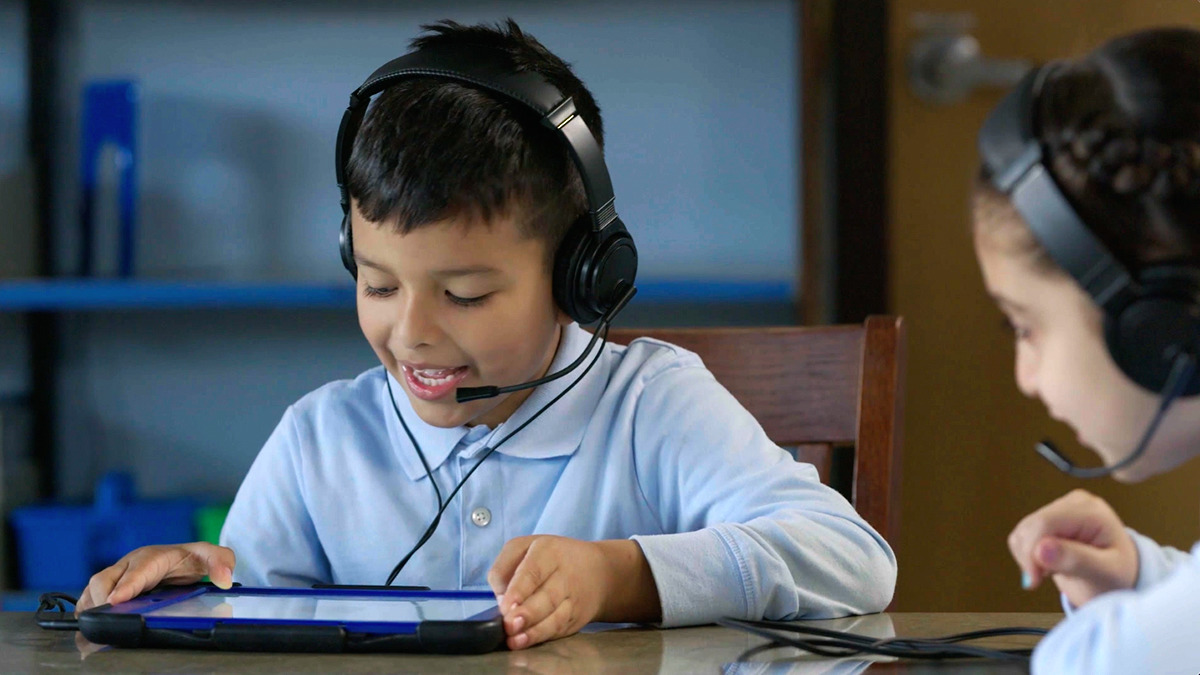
{"x": 970, "y": 471}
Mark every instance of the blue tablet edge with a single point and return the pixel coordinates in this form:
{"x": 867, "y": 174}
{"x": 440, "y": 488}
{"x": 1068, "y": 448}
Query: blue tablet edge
{"x": 125, "y": 626}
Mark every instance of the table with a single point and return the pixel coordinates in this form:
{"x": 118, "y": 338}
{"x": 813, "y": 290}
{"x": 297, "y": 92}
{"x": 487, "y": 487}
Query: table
{"x": 24, "y": 647}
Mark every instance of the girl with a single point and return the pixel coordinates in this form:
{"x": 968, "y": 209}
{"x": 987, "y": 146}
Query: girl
{"x": 1087, "y": 231}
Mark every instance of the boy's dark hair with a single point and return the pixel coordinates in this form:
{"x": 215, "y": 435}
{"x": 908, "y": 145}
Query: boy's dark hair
{"x": 431, "y": 149}
{"x": 1120, "y": 129}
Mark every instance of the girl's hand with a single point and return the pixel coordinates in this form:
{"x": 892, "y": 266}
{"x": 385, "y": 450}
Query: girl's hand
{"x": 1080, "y": 542}
{"x": 147, "y": 567}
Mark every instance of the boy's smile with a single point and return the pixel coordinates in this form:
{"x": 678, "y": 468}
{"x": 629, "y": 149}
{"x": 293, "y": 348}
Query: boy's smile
{"x": 432, "y": 382}
{"x": 457, "y": 303}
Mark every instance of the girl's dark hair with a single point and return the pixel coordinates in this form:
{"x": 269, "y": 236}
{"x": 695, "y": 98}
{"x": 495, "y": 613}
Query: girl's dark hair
{"x": 431, "y": 149}
{"x": 1120, "y": 129}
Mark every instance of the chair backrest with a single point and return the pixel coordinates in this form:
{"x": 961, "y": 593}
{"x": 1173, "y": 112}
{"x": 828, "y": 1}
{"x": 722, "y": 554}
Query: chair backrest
{"x": 816, "y": 389}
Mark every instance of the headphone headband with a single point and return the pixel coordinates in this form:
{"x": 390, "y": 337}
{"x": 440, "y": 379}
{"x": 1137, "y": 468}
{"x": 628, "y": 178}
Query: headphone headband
{"x": 528, "y": 88}
{"x": 595, "y": 264}
{"x": 1013, "y": 155}
{"x": 1150, "y": 319}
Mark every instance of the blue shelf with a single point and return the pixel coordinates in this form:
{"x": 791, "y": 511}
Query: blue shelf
{"x": 99, "y": 294}
{"x": 27, "y": 295}
{"x": 699, "y": 291}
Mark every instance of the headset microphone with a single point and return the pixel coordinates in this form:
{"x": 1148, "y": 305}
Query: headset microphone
{"x": 464, "y": 394}
{"x": 1182, "y": 370}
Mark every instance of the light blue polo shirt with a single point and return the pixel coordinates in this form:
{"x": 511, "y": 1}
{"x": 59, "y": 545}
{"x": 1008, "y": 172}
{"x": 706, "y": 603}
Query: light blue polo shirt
{"x": 647, "y": 446}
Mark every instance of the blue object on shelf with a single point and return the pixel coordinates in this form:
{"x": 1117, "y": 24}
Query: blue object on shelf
{"x": 109, "y": 119}
{"x": 20, "y": 601}
{"x": 61, "y": 546}
{"x": 52, "y": 546}
{"x": 101, "y": 294}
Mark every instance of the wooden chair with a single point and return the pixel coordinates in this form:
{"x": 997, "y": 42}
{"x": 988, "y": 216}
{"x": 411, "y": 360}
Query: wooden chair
{"x": 817, "y": 389}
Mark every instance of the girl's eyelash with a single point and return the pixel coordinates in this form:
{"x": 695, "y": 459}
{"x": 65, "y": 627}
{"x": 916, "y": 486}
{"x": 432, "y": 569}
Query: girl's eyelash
{"x": 1010, "y": 327}
{"x": 467, "y": 302}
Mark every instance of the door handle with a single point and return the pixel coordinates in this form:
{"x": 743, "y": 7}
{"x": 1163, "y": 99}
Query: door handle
{"x": 944, "y": 67}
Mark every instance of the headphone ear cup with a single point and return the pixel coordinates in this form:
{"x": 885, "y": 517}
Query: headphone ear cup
{"x": 613, "y": 267}
{"x": 567, "y": 264}
{"x": 346, "y": 247}
{"x": 590, "y": 268}
{"x": 1163, "y": 320}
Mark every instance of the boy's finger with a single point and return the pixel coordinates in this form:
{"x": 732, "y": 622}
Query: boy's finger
{"x": 533, "y": 571}
{"x": 130, "y": 587}
{"x": 94, "y": 596}
{"x": 146, "y": 572}
{"x": 100, "y": 585}
{"x": 200, "y": 559}
{"x": 211, "y": 557}
{"x": 506, "y": 564}
{"x": 222, "y": 577}
{"x": 534, "y": 609}
{"x": 559, "y": 623}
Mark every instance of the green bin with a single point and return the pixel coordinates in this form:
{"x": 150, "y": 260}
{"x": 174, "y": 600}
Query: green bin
{"x": 210, "y": 520}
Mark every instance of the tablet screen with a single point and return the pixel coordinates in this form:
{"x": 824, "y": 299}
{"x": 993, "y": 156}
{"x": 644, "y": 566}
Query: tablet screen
{"x": 234, "y": 605}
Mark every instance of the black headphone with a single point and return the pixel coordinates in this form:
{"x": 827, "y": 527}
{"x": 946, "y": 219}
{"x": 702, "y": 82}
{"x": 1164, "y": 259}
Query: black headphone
{"x": 596, "y": 261}
{"x": 1151, "y": 318}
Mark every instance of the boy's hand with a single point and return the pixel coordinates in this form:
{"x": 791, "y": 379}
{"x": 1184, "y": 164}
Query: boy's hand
{"x": 149, "y": 566}
{"x": 549, "y": 587}
{"x": 1081, "y": 542}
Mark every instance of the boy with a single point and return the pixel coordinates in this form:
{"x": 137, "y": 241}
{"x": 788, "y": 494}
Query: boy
{"x": 644, "y": 493}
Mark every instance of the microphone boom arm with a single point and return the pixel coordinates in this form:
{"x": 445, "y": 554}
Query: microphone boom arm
{"x": 464, "y": 394}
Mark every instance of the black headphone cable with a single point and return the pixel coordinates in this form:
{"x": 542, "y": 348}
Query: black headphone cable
{"x": 839, "y": 644}
{"x": 442, "y": 506}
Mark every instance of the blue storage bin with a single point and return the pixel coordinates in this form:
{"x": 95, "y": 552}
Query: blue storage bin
{"x": 52, "y": 546}
{"x": 59, "y": 547}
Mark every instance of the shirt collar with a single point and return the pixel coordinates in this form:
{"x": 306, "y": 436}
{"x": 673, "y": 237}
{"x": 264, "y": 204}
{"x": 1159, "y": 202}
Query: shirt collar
{"x": 557, "y": 432}
{"x": 435, "y": 442}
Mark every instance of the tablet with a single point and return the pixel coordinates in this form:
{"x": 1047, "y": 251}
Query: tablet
{"x": 301, "y": 620}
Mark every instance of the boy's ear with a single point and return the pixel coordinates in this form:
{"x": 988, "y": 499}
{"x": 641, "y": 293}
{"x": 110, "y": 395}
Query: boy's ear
{"x": 561, "y": 317}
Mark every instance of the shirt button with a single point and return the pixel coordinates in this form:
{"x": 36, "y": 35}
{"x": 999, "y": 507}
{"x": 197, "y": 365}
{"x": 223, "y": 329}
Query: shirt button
{"x": 481, "y": 517}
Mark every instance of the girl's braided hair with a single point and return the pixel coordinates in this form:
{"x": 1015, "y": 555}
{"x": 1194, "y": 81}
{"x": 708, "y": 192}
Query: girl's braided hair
{"x": 1120, "y": 129}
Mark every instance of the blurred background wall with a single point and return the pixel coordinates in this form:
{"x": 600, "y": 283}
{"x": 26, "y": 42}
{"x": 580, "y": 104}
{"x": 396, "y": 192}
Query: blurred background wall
{"x": 239, "y": 105}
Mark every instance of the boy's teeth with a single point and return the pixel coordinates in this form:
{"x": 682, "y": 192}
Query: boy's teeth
{"x": 435, "y": 377}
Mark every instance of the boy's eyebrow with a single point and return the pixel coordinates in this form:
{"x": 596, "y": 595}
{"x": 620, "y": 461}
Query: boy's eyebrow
{"x": 441, "y": 274}
{"x": 363, "y": 262}
{"x": 465, "y": 271}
